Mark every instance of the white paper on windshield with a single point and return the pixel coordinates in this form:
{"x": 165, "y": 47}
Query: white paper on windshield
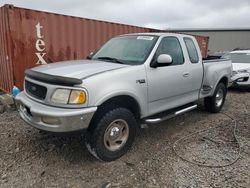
{"x": 145, "y": 38}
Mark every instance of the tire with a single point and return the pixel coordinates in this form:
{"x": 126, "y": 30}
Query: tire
{"x": 215, "y": 103}
{"x": 111, "y": 133}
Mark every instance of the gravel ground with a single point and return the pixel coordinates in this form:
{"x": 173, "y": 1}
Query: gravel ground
{"x": 31, "y": 158}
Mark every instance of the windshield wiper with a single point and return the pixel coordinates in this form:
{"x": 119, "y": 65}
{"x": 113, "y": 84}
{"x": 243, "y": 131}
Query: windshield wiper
{"x": 114, "y": 60}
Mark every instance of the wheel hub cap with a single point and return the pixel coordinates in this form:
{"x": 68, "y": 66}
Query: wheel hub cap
{"x": 219, "y": 98}
{"x": 116, "y": 135}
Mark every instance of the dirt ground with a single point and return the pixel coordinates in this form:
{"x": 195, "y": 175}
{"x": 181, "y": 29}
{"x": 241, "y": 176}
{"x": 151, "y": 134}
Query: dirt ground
{"x": 31, "y": 158}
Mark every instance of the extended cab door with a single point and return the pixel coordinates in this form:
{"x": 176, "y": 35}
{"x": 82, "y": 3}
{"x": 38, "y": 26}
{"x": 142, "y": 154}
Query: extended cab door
{"x": 195, "y": 67}
{"x": 174, "y": 85}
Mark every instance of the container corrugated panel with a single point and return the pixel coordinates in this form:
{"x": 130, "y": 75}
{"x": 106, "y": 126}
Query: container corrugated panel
{"x": 6, "y": 72}
{"x": 30, "y": 38}
{"x": 39, "y": 37}
{"x": 203, "y": 44}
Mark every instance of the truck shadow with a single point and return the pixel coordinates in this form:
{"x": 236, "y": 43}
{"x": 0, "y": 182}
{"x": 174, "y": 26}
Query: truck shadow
{"x": 238, "y": 90}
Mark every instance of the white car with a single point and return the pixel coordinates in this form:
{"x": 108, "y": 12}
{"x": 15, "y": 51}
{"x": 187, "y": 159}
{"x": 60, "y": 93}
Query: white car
{"x": 241, "y": 68}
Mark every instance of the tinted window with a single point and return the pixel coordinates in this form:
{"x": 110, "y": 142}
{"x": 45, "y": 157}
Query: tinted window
{"x": 172, "y": 47}
{"x": 192, "y": 52}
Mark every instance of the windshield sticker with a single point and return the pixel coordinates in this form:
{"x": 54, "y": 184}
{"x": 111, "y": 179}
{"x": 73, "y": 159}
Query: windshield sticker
{"x": 145, "y": 38}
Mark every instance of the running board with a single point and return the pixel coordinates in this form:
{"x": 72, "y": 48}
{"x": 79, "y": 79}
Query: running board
{"x": 179, "y": 112}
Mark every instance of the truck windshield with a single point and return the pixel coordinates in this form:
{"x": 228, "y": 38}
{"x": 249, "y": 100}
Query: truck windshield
{"x": 131, "y": 50}
{"x": 240, "y": 57}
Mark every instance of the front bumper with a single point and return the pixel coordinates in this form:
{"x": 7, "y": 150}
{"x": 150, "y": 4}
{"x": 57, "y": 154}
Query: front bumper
{"x": 53, "y": 119}
{"x": 241, "y": 80}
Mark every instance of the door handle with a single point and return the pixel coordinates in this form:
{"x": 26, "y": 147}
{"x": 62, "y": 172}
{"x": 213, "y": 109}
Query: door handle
{"x": 186, "y": 74}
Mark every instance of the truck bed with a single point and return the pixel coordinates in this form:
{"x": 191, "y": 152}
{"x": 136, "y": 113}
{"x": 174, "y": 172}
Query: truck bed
{"x": 214, "y": 70}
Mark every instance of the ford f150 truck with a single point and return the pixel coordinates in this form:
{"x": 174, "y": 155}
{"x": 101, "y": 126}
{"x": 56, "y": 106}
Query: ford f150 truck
{"x": 132, "y": 80}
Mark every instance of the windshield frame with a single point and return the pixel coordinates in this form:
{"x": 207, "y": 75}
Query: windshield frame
{"x": 126, "y": 62}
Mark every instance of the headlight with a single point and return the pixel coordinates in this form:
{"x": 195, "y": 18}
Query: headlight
{"x": 244, "y": 71}
{"x": 68, "y": 96}
{"x": 77, "y": 97}
{"x": 61, "y": 96}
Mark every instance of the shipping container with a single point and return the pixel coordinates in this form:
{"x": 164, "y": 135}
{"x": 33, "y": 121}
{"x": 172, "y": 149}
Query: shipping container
{"x": 203, "y": 44}
{"x": 31, "y": 38}
{"x": 6, "y": 65}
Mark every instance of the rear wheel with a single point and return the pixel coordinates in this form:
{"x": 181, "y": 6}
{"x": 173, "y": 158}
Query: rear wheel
{"x": 111, "y": 134}
{"x": 215, "y": 103}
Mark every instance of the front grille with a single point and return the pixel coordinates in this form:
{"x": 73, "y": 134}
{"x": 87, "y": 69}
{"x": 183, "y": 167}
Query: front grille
{"x": 35, "y": 90}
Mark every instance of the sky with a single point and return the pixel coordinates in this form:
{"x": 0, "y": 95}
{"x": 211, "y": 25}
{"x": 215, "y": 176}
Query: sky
{"x": 158, "y": 14}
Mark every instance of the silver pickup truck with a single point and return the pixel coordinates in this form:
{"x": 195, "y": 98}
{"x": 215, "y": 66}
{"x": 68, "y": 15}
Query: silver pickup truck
{"x": 131, "y": 80}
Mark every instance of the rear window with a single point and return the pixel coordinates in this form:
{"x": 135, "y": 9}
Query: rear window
{"x": 192, "y": 51}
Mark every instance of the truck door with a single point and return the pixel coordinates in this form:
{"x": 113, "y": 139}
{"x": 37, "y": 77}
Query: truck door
{"x": 195, "y": 68}
{"x": 170, "y": 86}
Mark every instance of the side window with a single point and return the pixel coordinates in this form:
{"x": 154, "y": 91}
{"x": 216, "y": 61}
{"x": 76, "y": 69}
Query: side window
{"x": 172, "y": 47}
{"x": 192, "y": 51}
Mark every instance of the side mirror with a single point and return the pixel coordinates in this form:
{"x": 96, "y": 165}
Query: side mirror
{"x": 161, "y": 61}
{"x": 90, "y": 55}
{"x": 164, "y": 60}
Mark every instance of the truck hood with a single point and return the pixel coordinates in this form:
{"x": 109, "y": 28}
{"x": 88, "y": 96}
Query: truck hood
{"x": 79, "y": 69}
{"x": 241, "y": 66}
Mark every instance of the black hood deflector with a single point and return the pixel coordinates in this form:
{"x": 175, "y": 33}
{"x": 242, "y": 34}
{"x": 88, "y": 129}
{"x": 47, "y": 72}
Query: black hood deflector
{"x": 52, "y": 79}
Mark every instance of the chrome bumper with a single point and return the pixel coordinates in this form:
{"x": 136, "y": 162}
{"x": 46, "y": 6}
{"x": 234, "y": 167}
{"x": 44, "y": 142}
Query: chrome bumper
{"x": 53, "y": 119}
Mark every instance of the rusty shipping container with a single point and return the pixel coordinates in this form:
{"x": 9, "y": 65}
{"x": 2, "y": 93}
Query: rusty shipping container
{"x": 203, "y": 44}
{"x": 30, "y": 38}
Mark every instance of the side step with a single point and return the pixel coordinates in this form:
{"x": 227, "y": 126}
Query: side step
{"x": 168, "y": 116}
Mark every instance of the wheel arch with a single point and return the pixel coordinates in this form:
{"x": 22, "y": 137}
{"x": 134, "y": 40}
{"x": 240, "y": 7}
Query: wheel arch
{"x": 224, "y": 79}
{"x": 122, "y": 99}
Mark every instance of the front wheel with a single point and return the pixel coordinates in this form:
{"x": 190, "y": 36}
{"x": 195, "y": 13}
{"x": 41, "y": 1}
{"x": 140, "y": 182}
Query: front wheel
{"x": 215, "y": 103}
{"x": 112, "y": 133}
